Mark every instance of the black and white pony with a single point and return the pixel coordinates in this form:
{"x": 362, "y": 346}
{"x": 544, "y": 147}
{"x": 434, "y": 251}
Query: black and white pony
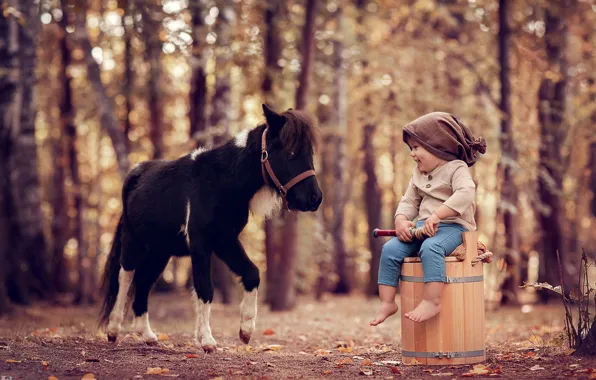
{"x": 199, "y": 204}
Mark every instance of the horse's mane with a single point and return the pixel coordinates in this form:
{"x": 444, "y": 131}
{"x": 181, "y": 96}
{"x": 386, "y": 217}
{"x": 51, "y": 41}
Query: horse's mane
{"x": 298, "y": 133}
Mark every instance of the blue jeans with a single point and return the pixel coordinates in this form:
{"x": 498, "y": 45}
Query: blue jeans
{"x": 432, "y": 252}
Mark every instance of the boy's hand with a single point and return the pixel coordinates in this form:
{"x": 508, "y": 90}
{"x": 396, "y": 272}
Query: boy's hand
{"x": 402, "y": 229}
{"x": 431, "y": 225}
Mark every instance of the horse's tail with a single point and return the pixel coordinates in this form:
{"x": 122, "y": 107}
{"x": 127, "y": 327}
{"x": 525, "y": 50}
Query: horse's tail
{"x": 111, "y": 272}
{"x": 109, "y": 282}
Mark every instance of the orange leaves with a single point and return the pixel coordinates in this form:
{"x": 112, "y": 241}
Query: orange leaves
{"x": 157, "y": 371}
{"x": 192, "y": 356}
{"x": 162, "y": 337}
{"x": 51, "y": 332}
{"x": 273, "y": 347}
{"x": 478, "y": 369}
{"x": 268, "y": 332}
{"x": 12, "y": 361}
{"x": 88, "y": 376}
{"x": 481, "y": 369}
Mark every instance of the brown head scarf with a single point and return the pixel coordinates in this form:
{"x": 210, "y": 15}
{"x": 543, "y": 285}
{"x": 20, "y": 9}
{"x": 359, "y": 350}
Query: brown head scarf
{"x": 446, "y": 137}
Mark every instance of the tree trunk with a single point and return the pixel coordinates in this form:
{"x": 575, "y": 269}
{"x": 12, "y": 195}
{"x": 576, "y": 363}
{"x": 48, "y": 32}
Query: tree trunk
{"x": 127, "y": 24}
{"x": 60, "y": 220}
{"x": 286, "y": 295}
{"x": 12, "y": 277}
{"x": 372, "y": 190}
{"x": 271, "y": 73}
{"x": 372, "y": 194}
{"x": 592, "y": 166}
{"x": 551, "y": 112}
{"x": 198, "y": 82}
{"x": 5, "y": 225}
{"x": 155, "y": 105}
{"x": 220, "y": 121}
{"x": 8, "y": 84}
{"x": 23, "y": 161}
{"x": 104, "y": 103}
{"x": 507, "y": 209}
{"x": 342, "y": 266}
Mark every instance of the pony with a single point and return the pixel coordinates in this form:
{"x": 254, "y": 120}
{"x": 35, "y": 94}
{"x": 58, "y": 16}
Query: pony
{"x": 198, "y": 205}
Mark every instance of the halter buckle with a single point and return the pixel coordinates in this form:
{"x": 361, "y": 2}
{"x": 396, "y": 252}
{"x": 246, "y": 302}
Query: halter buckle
{"x": 264, "y": 156}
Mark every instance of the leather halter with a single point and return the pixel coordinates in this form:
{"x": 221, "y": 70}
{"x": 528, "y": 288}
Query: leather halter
{"x": 265, "y": 166}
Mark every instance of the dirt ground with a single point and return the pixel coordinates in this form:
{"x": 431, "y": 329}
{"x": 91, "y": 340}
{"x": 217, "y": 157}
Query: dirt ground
{"x": 330, "y": 339}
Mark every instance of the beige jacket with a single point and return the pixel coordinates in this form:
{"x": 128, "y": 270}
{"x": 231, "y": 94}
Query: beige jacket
{"x": 450, "y": 184}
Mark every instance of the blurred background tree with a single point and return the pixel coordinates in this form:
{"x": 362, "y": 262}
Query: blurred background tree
{"x": 90, "y": 87}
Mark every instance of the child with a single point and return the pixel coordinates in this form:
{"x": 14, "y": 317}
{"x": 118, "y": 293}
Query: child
{"x": 441, "y": 195}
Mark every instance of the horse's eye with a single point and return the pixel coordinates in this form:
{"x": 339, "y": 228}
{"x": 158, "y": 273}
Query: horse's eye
{"x": 292, "y": 154}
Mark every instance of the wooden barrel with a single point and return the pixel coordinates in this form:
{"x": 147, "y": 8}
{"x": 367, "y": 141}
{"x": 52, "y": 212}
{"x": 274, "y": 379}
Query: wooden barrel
{"x": 456, "y": 335}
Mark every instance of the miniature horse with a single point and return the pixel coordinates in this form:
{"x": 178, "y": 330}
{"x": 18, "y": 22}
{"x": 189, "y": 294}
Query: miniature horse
{"x": 199, "y": 204}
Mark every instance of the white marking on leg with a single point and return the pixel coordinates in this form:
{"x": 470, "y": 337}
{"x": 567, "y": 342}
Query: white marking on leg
{"x": 141, "y": 325}
{"x": 186, "y": 225}
{"x": 248, "y": 313}
{"x": 203, "y": 329}
{"x": 117, "y": 314}
{"x": 265, "y": 202}
{"x": 241, "y": 139}
{"x": 195, "y": 153}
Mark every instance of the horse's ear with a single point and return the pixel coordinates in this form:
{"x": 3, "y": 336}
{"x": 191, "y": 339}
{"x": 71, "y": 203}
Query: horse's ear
{"x": 274, "y": 120}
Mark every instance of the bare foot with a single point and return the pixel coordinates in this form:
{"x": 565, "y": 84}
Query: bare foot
{"x": 424, "y": 311}
{"x": 386, "y": 309}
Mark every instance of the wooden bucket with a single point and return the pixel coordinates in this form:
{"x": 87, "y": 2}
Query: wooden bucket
{"x": 456, "y": 335}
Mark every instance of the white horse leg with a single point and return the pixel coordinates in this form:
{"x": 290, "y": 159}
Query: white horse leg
{"x": 248, "y": 315}
{"x": 117, "y": 314}
{"x": 203, "y": 329}
{"x": 141, "y": 326}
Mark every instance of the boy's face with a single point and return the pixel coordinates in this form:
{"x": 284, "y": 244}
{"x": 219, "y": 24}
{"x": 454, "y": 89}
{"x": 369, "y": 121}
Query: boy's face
{"x": 426, "y": 161}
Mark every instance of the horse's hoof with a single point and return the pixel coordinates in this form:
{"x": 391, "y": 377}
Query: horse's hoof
{"x": 209, "y": 348}
{"x": 112, "y": 338}
{"x": 244, "y": 336}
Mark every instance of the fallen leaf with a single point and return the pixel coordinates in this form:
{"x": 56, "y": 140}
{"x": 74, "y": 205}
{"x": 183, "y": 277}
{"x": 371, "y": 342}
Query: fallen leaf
{"x": 574, "y": 366}
{"x": 52, "y": 378}
{"x": 428, "y": 370}
{"x": 44, "y": 366}
{"x": 252, "y": 363}
{"x": 442, "y": 374}
{"x": 394, "y": 369}
{"x": 157, "y": 371}
{"x": 192, "y": 356}
{"x": 344, "y": 361}
{"x": 327, "y": 372}
{"x": 366, "y": 362}
{"x": 270, "y": 365}
{"x": 273, "y": 347}
{"x": 268, "y": 332}
{"x": 88, "y": 376}
{"x": 366, "y": 371}
{"x": 345, "y": 350}
{"x": 12, "y": 361}
{"x": 536, "y": 368}
{"x": 479, "y": 369}
{"x": 162, "y": 336}
{"x": 391, "y": 362}
{"x": 321, "y": 352}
